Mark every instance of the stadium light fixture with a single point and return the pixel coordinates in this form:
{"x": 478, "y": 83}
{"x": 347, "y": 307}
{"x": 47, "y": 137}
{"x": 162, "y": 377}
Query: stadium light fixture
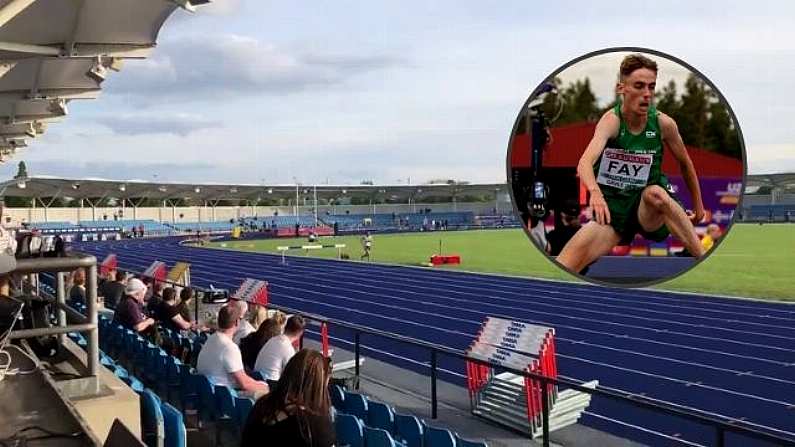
{"x": 98, "y": 72}
{"x": 58, "y": 107}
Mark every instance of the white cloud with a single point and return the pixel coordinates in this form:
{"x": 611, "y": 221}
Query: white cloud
{"x": 214, "y": 67}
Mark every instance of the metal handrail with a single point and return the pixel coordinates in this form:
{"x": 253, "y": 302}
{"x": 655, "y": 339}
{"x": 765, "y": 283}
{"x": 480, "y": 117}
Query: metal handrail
{"x": 87, "y": 323}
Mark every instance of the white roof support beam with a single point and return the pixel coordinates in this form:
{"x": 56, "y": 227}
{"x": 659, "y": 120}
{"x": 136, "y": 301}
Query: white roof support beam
{"x": 33, "y": 50}
{"x": 12, "y": 9}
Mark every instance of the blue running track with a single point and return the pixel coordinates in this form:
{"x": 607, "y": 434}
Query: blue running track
{"x": 732, "y": 358}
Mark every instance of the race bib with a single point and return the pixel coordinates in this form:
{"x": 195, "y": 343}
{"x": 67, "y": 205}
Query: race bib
{"x": 623, "y": 170}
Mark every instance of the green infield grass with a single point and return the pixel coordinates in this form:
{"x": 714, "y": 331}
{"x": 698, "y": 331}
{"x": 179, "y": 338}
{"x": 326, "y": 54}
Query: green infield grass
{"x": 754, "y": 261}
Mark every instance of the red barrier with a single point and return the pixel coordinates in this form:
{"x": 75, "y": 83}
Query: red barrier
{"x": 445, "y": 259}
{"x": 324, "y": 338}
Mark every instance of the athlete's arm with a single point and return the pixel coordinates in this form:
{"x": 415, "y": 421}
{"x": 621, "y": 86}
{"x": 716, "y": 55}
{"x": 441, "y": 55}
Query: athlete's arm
{"x": 671, "y": 136}
{"x": 606, "y": 128}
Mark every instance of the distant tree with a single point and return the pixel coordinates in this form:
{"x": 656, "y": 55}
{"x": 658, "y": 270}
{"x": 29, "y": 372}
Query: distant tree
{"x": 694, "y": 112}
{"x": 22, "y": 170}
{"x": 667, "y": 100}
{"x": 721, "y": 134}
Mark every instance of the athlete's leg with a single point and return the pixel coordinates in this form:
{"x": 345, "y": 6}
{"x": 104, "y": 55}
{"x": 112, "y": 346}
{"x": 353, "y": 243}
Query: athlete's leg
{"x": 592, "y": 241}
{"x": 657, "y": 207}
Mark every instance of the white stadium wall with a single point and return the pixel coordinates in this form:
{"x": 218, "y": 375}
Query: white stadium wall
{"x": 225, "y": 213}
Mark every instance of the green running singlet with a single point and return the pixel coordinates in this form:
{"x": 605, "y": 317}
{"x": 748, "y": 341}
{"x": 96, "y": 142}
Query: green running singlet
{"x": 629, "y": 163}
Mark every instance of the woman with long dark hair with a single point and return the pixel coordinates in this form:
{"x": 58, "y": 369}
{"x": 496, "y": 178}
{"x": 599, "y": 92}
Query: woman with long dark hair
{"x": 252, "y": 343}
{"x": 297, "y": 411}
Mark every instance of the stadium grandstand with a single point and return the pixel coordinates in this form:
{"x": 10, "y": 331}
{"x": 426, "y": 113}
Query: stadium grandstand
{"x": 121, "y": 300}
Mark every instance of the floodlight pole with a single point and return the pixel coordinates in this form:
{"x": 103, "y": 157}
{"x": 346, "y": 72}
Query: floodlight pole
{"x": 315, "y": 193}
{"x": 295, "y": 210}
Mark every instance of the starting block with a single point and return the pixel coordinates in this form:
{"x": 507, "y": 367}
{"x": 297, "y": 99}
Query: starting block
{"x": 252, "y": 291}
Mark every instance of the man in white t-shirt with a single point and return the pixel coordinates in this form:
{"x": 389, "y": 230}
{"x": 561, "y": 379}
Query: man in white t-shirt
{"x": 220, "y": 359}
{"x": 244, "y": 327}
{"x": 273, "y": 357}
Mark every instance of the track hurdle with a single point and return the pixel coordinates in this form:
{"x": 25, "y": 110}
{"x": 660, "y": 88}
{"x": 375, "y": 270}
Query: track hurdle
{"x": 252, "y": 291}
{"x": 284, "y": 249}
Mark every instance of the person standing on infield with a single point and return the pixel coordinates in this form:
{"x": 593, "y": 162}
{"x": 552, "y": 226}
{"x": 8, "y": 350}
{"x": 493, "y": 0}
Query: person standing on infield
{"x": 622, "y": 169}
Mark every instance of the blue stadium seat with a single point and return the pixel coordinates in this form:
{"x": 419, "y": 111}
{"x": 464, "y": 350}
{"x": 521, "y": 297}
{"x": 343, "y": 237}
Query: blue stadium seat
{"x": 207, "y": 404}
{"x": 350, "y": 431}
{"x": 409, "y": 430}
{"x": 174, "y": 427}
{"x": 225, "y": 412}
{"x": 461, "y": 442}
{"x": 188, "y": 388}
{"x": 133, "y": 383}
{"x": 381, "y": 415}
{"x": 337, "y": 396}
{"x": 438, "y": 437}
{"x": 152, "y": 425}
{"x": 355, "y": 404}
{"x": 376, "y": 437}
{"x": 243, "y": 406}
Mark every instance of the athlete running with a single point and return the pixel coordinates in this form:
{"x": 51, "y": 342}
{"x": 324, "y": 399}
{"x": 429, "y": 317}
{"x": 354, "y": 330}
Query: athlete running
{"x": 622, "y": 169}
{"x": 367, "y": 245}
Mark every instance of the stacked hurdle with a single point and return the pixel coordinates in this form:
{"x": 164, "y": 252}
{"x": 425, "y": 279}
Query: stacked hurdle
{"x": 252, "y": 291}
{"x": 513, "y": 400}
{"x": 157, "y": 271}
{"x": 109, "y": 264}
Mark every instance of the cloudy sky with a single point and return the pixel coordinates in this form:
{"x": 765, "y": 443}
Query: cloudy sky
{"x": 256, "y": 91}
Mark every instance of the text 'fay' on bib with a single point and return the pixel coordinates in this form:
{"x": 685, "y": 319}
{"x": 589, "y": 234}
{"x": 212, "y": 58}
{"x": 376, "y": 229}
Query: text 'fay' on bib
{"x": 623, "y": 170}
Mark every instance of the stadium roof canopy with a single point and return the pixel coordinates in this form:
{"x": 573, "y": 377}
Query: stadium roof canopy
{"x": 784, "y": 182}
{"x": 54, "y": 51}
{"x": 50, "y": 187}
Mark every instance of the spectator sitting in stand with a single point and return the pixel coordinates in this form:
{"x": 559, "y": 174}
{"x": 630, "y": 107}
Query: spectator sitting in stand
{"x": 129, "y": 311}
{"x": 185, "y": 305}
{"x": 113, "y": 289}
{"x": 252, "y": 344}
{"x": 298, "y": 412}
{"x": 153, "y": 302}
{"x": 278, "y": 350}
{"x": 167, "y": 312}
{"x": 244, "y": 328}
{"x": 77, "y": 293}
{"x": 220, "y": 358}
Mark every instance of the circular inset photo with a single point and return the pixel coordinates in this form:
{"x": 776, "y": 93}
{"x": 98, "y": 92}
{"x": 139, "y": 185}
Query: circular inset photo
{"x": 626, "y": 166}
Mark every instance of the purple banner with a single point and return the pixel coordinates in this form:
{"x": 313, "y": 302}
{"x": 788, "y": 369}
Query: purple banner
{"x": 720, "y": 197}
